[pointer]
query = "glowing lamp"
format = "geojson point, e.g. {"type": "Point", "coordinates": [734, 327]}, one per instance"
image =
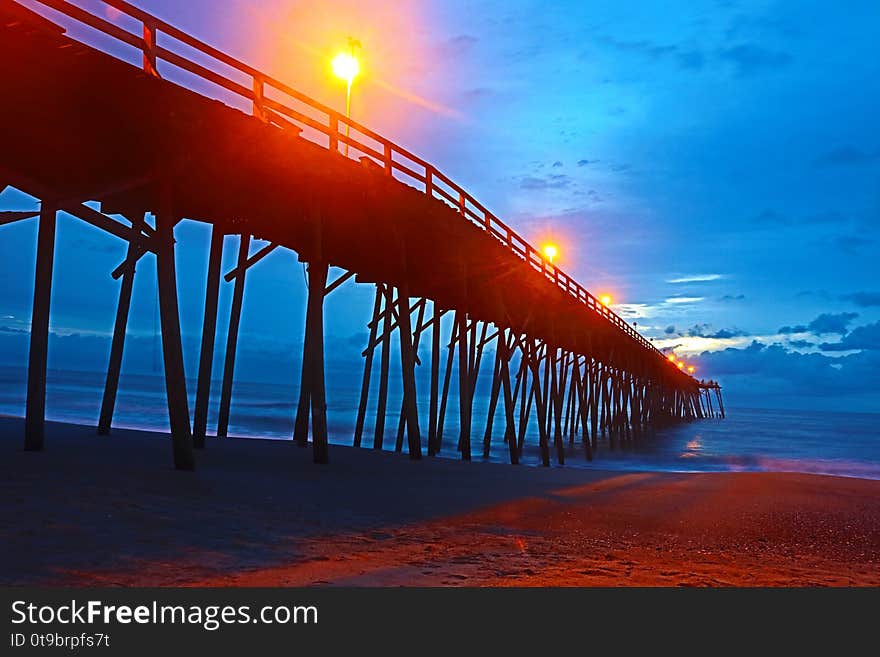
{"type": "Point", "coordinates": [605, 299]}
{"type": "Point", "coordinates": [680, 365]}
{"type": "Point", "coordinates": [550, 251]}
{"type": "Point", "coordinates": [671, 358]}
{"type": "Point", "coordinates": [345, 66]}
{"type": "Point", "coordinates": [691, 369]}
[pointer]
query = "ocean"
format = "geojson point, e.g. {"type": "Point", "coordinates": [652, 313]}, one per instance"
{"type": "Point", "coordinates": [845, 444]}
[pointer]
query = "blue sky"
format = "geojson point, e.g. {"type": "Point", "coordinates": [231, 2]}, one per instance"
{"type": "Point", "coordinates": [713, 165]}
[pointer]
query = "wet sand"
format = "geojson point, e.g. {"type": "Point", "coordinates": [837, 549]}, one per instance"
{"type": "Point", "coordinates": [111, 511]}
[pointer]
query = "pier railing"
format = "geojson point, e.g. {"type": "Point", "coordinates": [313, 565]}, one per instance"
{"type": "Point", "coordinates": [282, 105]}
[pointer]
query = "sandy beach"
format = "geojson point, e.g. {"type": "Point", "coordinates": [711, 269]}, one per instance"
{"type": "Point", "coordinates": [111, 511]}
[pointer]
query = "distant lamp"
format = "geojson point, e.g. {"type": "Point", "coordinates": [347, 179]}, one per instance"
{"type": "Point", "coordinates": [550, 252]}
{"type": "Point", "coordinates": [691, 369]}
{"type": "Point", "coordinates": [680, 365]}
{"type": "Point", "coordinates": [346, 67]}
{"type": "Point", "coordinates": [605, 299]}
{"type": "Point", "coordinates": [671, 358]}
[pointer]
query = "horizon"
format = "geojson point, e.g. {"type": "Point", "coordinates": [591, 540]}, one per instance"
{"type": "Point", "coordinates": [727, 299]}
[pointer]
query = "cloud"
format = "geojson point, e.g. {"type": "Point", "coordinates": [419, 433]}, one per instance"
{"type": "Point", "coordinates": [863, 299]}
{"type": "Point", "coordinates": [553, 181]}
{"type": "Point", "coordinates": [688, 59]}
{"type": "Point", "coordinates": [788, 330]}
{"type": "Point", "coordinates": [557, 164]}
{"type": "Point", "coordinates": [751, 59]}
{"type": "Point", "coordinates": [733, 297]}
{"type": "Point", "coordinates": [457, 45]}
{"type": "Point", "coordinates": [831, 323]}
{"type": "Point", "coordinates": [669, 330]}
{"type": "Point", "coordinates": [478, 94]}
{"type": "Point", "coordinates": [824, 324]}
{"type": "Point", "coordinates": [865, 337]}
{"type": "Point", "coordinates": [695, 278]}
{"type": "Point", "coordinates": [773, 375]}
{"type": "Point", "coordinates": [684, 299]}
{"type": "Point", "coordinates": [583, 163]}
{"type": "Point", "coordinates": [705, 331]}
{"type": "Point", "coordinates": [846, 155]}
{"type": "Point", "coordinates": [801, 344]}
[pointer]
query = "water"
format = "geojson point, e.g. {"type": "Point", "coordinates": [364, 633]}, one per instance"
{"type": "Point", "coordinates": [846, 444]}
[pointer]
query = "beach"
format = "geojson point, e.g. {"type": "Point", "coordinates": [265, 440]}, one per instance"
{"type": "Point", "coordinates": [111, 511]}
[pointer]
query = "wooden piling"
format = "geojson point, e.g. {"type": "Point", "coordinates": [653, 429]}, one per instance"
{"type": "Point", "coordinates": [232, 338]}
{"type": "Point", "coordinates": [368, 367]}
{"type": "Point", "coordinates": [407, 362]}
{"type": "Point", "coordinates": [117, 343]}
{"type": "Point", "coordinates": [209, 336]}
{"type": "Point", "coordinates": [175, 377]}
{"type": "Point", "coordinates": [35, 411]}
{"type": "Point", "coordinates": [384, 364]}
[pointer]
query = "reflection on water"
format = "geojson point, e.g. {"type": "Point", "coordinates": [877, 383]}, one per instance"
{"type": "Point", "coordinates": [692, 448]}
{"type": "Point", "coordinates": [748, 440]}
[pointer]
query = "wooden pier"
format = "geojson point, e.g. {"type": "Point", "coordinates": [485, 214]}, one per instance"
{"type": "Point", "coordinates": [84, 125]}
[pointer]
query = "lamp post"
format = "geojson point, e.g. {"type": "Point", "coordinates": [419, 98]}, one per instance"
{"type": "Point", "coordinates": [346, 67]}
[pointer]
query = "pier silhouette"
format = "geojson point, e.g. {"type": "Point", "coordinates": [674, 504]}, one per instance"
{"type": "Point", "coordinates": [84, 125]}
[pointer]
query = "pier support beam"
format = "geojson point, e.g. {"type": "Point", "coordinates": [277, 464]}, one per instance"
{"type": "Point", "coordinates": [232, 338]}
{"type": "Point", "coordinates": [175, 377]}
{"type": "Point", "coordinates": [368, 368]}
{"type": "Point", "coordinates": [209, 334]}
{"type": "Point", "coordinates": [435, 382]}
{"type": "Point", "coordinates": [312, 394]}
{"type": "Point", "coordinates": [384, 364]}
{"type": "Point", "coordinates": [407, 362]}
{"type": "Point", "coordinates": [35, 414]}
{"type": "Point", "coordinates": [114, 367]}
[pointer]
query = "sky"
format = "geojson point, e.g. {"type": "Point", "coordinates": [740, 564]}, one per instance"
{"type": "Point", "coordinates": [711, 164]}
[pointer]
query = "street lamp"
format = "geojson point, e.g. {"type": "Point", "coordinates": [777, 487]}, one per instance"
{"type": "Point", "coordinates": [605, 299]}
{"type": "Point", "coordinates": [346, 67]}
{"type": "Point", "coordinates": [550, 252]}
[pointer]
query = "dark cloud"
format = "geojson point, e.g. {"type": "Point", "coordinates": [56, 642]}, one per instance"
{"type": "Point", "coordinates": [831, 323]}
{"type": "Point", "coordinates": [705, 331]}
{"type": "Point", "coordinates": [769, 374]}
{"type": "Point", "coordinates": [788, 330]}
{"type": "Point", "coordinates": [669, 330]}
{"type": "Point", "coordinates": [478, 93]}
{"type": "Point", "coordinates": [553, 181]}
{"type": "Point", "coordinates": [751, 59]}
{"type": "Point", "coordinates": [864, 299]}
{"type": "Point", "coordinates": [846, 155]}
{"type": "Point", "coordinates": [642, 47]}
{"type": "Point", "coordinates": [462, 41]}
{"type": "Point", "coordinates": [583, 163]}
{"type": "Point", "coordinates": [733, 297]}
{"type": "Point", "coordinates": [865, 337]}
{"type": "Point", "coordinates": [824, 324]}
{"type": "Point", "coordinates": [557, 164]}
{"type": "Point", "coordinates": [688, 58]}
